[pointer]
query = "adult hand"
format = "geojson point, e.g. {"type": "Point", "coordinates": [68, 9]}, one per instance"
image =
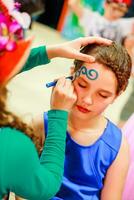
{"type": "Point", "coordinates": [71, 49]}
{"type": "Point", "coordinates": [63, 96]}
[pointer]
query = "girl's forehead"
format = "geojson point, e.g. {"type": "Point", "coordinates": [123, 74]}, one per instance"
{"type": "Point", "coordinates": [90, 73]}
{"type": "Point", "coordinates": [91, 70]}
{"type": "Point", "coordinates": [96, 73]}
{"type": "Point", "coordinates": [98, 67]}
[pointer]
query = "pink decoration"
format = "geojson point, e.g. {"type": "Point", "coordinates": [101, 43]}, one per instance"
{"type": "Point", "coordinates": [12, 23]}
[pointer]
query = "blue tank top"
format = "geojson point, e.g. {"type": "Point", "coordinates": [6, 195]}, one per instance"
{"type": "Point", "coordinates": [86, 166]}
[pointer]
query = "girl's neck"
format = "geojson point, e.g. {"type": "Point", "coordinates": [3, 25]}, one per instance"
{"type": "Point", "coordinates": [82, 125]}
{"type": "Point", "coordinates": [86, 132]}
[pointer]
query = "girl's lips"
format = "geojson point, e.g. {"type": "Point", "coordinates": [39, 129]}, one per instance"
{"type": "Point", "coordinates": [81, 109]}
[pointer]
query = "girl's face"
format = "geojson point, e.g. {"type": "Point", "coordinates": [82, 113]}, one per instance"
{"type": "Point", "coordinates": [93, 96]}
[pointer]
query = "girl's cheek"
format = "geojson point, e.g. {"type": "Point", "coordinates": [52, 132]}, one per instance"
{"type": "Point", "coordinates": [101, 106]}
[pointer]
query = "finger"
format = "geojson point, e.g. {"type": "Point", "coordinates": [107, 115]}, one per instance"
{"type": "Point", "coordinates": [68, 83]}
{"type": "Point", "coordinates": [61, 82]}
{"type": "Point", "coordinates": [84, 57]}
{"type": "Point", "coordinates": [68, 87]}
{"type": "Point", "coordinates": [74, 94]}
{"type": "Point", "coordinates": [98, 40]}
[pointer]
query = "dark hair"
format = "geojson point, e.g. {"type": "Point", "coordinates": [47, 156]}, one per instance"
{"type": "Point", "coordinates": [113, 56]}
{"type": "Point", "coordinates": [8, 119]}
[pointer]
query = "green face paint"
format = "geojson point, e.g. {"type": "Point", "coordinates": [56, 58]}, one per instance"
{"type": "Point", "coordinates": [91, 74]}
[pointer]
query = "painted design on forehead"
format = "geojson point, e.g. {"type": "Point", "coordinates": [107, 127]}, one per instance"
{"type": "Point", "coordinates": [91, 74]}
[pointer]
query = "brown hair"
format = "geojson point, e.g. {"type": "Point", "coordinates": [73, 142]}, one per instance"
{"type": "Point", "coordinates": [8, 119]}
{"type": "Point", "coordinates": [114, 56]}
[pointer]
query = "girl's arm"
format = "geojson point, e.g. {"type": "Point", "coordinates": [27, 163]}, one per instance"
{"type": "Point", "coordinates": [76, 7]}
{"type": "Point", "coordinates": [116, 174]}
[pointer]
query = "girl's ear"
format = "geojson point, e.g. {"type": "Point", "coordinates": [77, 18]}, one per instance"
{"type": "Point", "coordinates": [72, 70]}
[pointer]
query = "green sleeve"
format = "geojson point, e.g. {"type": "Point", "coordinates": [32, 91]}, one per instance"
{"type": "Point", "coordinates": [38, 56]}
{"type": "Point", "coordinates": [25, 174]}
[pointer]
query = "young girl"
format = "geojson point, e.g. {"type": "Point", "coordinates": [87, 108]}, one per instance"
{"type": "Point", "coordinates": [97, 156]}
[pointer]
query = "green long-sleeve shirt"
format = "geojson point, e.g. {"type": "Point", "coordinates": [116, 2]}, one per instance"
{"type": "Point", "coordinates": [38, 56]}
{"type": "Point", "coordinates": [21, 170]}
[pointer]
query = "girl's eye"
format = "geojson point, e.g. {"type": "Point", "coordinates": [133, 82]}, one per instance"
{"type": "Point", "coordinates": [81, 85]}
{"type": "Point", "coordinates": [103, 96]}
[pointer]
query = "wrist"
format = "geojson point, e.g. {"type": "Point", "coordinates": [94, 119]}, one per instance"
{"type": "Point", "coordinates": [58, 113]}
{"type": "Point", "coordinates": [51, 52]}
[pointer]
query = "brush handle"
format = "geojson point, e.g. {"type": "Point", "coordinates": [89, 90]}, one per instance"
{"type": "Point", "coordinates": [53, 83]}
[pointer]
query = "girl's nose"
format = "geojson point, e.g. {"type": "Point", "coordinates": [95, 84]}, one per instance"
{"type": "Point", "coordinates": [88, 100]}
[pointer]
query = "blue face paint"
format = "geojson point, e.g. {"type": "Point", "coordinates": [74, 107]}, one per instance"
{"type": "Point", "coordinates": [91, 74]}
